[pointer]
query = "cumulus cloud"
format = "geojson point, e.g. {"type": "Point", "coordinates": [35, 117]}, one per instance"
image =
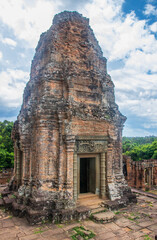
{"type": "Point", "coordinates": [12, 83]}
{"type": "Point", "coordinates": [153, 27]}
{"type": "Point", "coordinates": [135, 132]}
{"type": "Point", "coordinates": [131, 41]}
{"type": "Point", "coordinates": [127, 42]}
{"type": "Point", "coordinates": [9, 41]}
{"type": "Point", "coordinates": [28, 20]}
{"type": "Point", "coordinates": [1, 55]}
{"type": "Point", "coordinates": [150, 10]}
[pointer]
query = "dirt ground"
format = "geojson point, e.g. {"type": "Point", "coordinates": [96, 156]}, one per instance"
{"type": "Point", "coordinates": [138, 221]}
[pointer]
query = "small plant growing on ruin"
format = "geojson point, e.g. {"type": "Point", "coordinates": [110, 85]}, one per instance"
{"type": "Point", "coordinates": [13, 196]}
{"type": "Point", "coordinates": [60, 226]}
{"type": "Point", "coordinates": [146, 237]}
{"type": "Point", "coordinates": [38, 230]}
{"type": "Point", "coordinates": [133, 217]}
{"type": "Point", "coordinates": [149, 203]}
{"type": "Point", "coordinates": [82, 232]}
{"type": "Point", "coordinates": [117, 212]}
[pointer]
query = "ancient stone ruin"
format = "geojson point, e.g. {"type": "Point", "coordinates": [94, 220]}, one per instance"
{"type": "Point", "coordinates": [140, 174]}
{"type": "Point", "coordinates": [68, 135]}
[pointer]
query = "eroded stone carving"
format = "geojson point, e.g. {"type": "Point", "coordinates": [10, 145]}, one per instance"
{"type": "Point", "coordinates": [89, 146]}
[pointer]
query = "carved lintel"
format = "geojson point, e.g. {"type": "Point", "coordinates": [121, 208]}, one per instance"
{"type": "Point", "coordinates": [88, 146]}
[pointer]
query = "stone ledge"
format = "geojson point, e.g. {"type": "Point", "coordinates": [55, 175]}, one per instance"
{"type": "Point", "coordinates": [104, 217]}
{"type": "Point", "coordinates": [8, 202]}
{"type": "Point", "coordinates": [120, 203]}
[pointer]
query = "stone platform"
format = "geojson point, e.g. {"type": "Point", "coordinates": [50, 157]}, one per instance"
{"type": "Point", "coordinates": [104, 217]}
{"type": "Point", "coordinates": [135, 222]}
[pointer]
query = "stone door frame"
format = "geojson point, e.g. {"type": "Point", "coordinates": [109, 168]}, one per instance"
{"type": "Point", "coordinates": [97, 169]}
{"type": "Point", "coordinates": [95, 146]}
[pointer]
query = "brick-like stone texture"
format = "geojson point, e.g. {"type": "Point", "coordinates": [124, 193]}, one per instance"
{"type": "Point", "coordinates": [141, 174]}
{"type": "Point", "coordinates": [5, 176]}
{"type": "Point", "coordinates": [68, 108]}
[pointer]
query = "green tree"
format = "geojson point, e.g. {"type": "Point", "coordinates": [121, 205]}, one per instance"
{"type": "Point", "coordinates": [139, 151]}
{"type": "Point", "coordinates": [154, 155]}
{"type": "Point", "coordinates": [6, 145]}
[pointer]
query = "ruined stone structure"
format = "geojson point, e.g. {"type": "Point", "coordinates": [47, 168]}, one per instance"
{"type": "Point", "coordinates": [6, 175]}
{"type": "Point", "coordinates": [140, 174]}
{"type": "Point", "coordinates": [68, 134]}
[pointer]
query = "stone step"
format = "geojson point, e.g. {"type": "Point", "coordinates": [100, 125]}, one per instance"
{"type": "Point", "coordinates": [83, 196]}
{"type": "Point", "coordinates": [90, 202]}
{"type": "Point", "coordinates": [95, 206]}
{"type": "Point", "coordinates": [97, 210]}
{"type": "Point", "coordinates": [104, 217]}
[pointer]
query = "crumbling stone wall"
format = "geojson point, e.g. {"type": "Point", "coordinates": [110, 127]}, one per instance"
{"type": "Point", "coordinates": [140, 174]}
{"type": "Point", "coordinates": [5, 175]}
{"type": "Point", "coordinates": [69, 98]}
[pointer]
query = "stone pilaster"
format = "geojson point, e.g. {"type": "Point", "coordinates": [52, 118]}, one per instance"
{"type": "Point", "coordinates": [103, 175]}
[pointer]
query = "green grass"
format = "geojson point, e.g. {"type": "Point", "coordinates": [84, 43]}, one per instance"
{"type": "Point", "coordinates": [59, 226]}
{"type": "Point", "coordinates": [13, 196]}
{"type": "Point", "coordinates": [40, 231]}
{"type": "Point", "coordinates": [82, 232]}
{"type": "Point", "coordinates": [146, 237]}
{"type": "Point", "coordinates": [117, 212]}
{"type": "Point", "coordinates": [149, 203]}
{"type": "Point", "coordinates": [133, 217]}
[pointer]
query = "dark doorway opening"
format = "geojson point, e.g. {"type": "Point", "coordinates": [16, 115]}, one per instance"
{"type": "Point", "coordinates": [87, 175]}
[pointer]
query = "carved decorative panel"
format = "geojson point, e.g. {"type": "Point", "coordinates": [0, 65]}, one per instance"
{"type": "Point", "coordinates": [89, 146]}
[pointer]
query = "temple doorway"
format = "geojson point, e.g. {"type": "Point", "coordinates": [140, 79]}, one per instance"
{"type": "Point", "coordinates": [87, 175]}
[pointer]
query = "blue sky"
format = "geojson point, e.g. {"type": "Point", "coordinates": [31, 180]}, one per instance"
{"type": "Point", "coordinates": [127, 33]}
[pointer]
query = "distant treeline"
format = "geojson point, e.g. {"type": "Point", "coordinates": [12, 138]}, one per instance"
{"type": "Point", "coordinates": [6, 145]}
{"type": "Point", "coordinates": [140, 148]}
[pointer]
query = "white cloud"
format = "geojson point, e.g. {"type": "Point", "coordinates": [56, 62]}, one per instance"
{"type": "Point", "coordinates": [150, 10]}
{"type": "Point", "coordinates": [153, 27]}
{"type": "Point", "coordinates": [118, 35]}
{"type": "Point", "coordinates": [128, 39]}
{"type": "Point", "coordinates": [12, 83]}
{"type": "Point", "coordinates": [1, 56]}
{"type": "Point", "coordinates": [28, 21]}
{"type": "Point", "coordinates": [135, 132]}
{"type": "Point", "coordinates": [9, 41]}
{"type": "Point", "coordinates": [122, 37]}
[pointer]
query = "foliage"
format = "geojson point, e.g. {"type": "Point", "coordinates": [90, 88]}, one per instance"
{"type": "Point", "coordinates": [140, 148]}
{"type": "Point", "coordinates": [146, 237]}
{"type": "Point", "coordinates": [81, 232]}
{"type": "Point", "coordinates": [140, 140]}
{"type": "Point", "coordinates": [6, 145]}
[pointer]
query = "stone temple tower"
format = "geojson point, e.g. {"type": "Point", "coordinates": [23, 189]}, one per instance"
{"type": "Point", "coordinates": [68, 134]}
